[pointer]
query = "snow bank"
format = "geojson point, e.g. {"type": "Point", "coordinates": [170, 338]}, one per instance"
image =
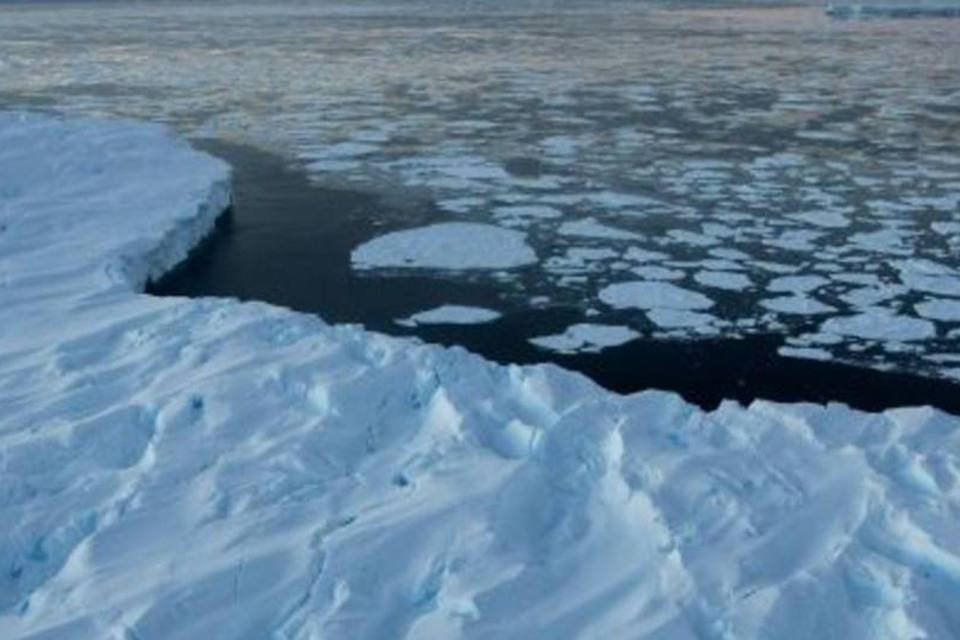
{"type": "Point", "coordinates": [176, 468]}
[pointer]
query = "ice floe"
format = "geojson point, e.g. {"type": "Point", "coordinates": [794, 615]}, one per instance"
{"type": "Point", "coordinates": [945, 310]}
{"type": "Point", "coordinates": [586, 338]}
{"type": "Point", "coordinates": [451, 245]}
{"type": "Point", "coordinates": [451, 314]}
{"type": "Point", "coordinates": [723, 280]}
{"type": "Point", "coordinates": [590, 228]}
{"type": "Point", "coordinates": [797, 305]}
{"type": "Point", "coordinates": [880, 324]}
{"type": "Point", "coordinates": [653, 295]}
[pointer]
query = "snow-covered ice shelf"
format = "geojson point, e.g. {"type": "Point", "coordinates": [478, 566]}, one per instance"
{"type": "Point", "coordinates": [176, 468]}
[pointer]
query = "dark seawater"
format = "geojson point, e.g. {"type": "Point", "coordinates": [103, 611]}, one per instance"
{"type": "Point", "coordinates": [288, 242]}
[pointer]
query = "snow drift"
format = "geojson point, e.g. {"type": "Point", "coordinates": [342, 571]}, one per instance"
{"type": "Point", "coordinates": [174, 468]}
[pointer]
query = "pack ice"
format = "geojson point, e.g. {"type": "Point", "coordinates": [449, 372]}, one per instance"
{"type": "Point", "coordinates": [175, 468]}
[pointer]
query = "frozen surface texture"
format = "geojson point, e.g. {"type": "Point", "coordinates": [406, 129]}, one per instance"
{"type": "Point", "coordinates": [176, 468]}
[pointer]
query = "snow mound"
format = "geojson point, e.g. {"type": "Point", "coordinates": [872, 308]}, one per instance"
{"type": "Point", "coordinates": [182, 469]}
{"type": "Point", "coordinates": [451, 245]}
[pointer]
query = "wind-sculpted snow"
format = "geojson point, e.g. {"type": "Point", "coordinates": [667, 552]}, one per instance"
{"type": "Point", "coordinates": [176, 468]}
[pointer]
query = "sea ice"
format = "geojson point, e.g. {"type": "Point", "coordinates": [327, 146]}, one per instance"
{"type": "Point", "coordinates": [586, 338]}
{"type": "Point", "coordinates": [806, 353]}
{"type": "Point", "coordinates": [723, 280]}
{"type": "Point", "coordinates": [880, 324]}
{"type": "Point", "coordinates": [667, 318]}
{"type": "Point", "coordinates": [945, 310]}
{"type": "Point", "coordinates": [451, 314]}
{"type": "Point", "coordinates": [590, 228]}
{"type": "Point", "coordinates": [828, 219]}
{"type": "Point", "coordinates": [653, 295]}
{"type": "Point", "coordinates": [449, 245]}
{"type": "Point", "coordinates": [797, 305]}
{"type": "Point", "coordinates": [796, 284]}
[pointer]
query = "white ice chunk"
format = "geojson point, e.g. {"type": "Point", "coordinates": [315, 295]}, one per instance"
{"type": "Point", "coordinates": [590, 228]}
{"type": "Point", "coordinates": [653, 295]}
{"type": "Point", "coordinates": [945, 310]}
{"type": "Point", "coordinates": [880, 324]}
{"type": "Point", "coordinates": [723, 280]}
{"type": "Point", "coordinates": [450, 245]}
{"type": "Point", "coordinates": [586, 338]}
{"type": "Point", "coordinates": [451, 314]}
{"type": "Point", "coordinates": [681, 319]}
{"type": "Point", "coordinates": [796, 284]}
{"type": "Point", "coordinates": [797, 305]}
{"type": "Point", "coordinates": [827, 219]}
{"type": "Point", "coordinates": [807, 353]}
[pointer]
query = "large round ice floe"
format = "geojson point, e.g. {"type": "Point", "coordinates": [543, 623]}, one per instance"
{"type": "Point", "coordinates": [653, 295]}
{"type": "Point", "coordinates": [450, 245]}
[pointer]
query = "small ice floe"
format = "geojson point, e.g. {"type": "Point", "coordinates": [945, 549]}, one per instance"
{"type": "Point", "coordinates": [653, 295]}
{"type": "Point", "coordinates": [939, 309]}
{"type": "Point", "coordinates": [796, 240]}
{"type": "Point", "coordinates": [523, 215]}
{"type": "Point", "coordinates": [806, 353]}
{"type": "Point", "coordinates": [579, 259]}
{"type": "Point", "coordinates": [636, 254]}
{"type": "Point", "coordinates": [586, 338]}
{"type": "Point", "coordinates": [869, 279]}
{"type": "Point", "coordinates": [797, 304]}
{"type": "Point", "coordinates": [825, 219]}
{"type": "Point", "coordinates": [461, 205]}
{"type": "Point", "coordinates": [796, 284]}
{"type": "Point", "coordinates": [728, 254]}
{"type": "Point", "coordinates": [451, 314]}
{"type": "Point", "coordinates": [450, 245]}
{"type": "Point", "coordinates": [946, 228]}
{"type": "Point", "coordinates": [880, 324]}
{"type": "Point", "coordinates": [945, 285]}
{"type": "Point", "coordinates": [871, 296]}
{"type": "Point", "coordinates": [590, 228]}
{"type": "Point", "coordinates": [653, 272]}
{"type": "Point", "coordinates": [692, 238]}
{"type": "Point", "coordinates": [682, 319]}
{"type": "Point", "coordinates": [723, 280]}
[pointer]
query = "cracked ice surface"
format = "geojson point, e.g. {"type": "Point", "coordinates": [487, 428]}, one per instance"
{"type": "Point", "coordinates": [180, 469]}
{"type": "Point", "coordinates": [586, 133]}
